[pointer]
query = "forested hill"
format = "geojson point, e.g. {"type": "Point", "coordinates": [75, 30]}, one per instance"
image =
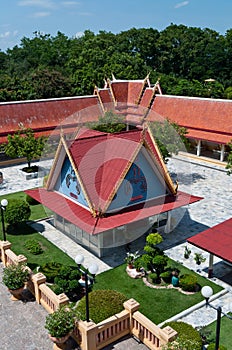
{"type": "Point", "coordinates": [182, 57]}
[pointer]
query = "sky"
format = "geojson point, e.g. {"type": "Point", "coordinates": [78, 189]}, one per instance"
{"type": "Point", "coordinates": [22, 18]}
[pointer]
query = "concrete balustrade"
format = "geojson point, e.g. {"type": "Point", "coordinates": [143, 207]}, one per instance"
{"type": "Point", "coordinates": [89, 335]}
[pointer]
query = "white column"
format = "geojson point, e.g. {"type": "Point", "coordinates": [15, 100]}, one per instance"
{"type": "Point", "coordinates": [199, 148]}
{"type": "Point", "coordinates": [222, 154]}
{"type": "Point", "coordinates": [168, 225]}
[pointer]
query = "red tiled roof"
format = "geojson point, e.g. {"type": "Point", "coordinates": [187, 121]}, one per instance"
{"type": "Point", "coordinates": [83, 218]}
{"type": "Point", "coordinates": [43, 116]}
{"type": "Point", "coordinates": [209, 136]}
{"type": "Point", "coordinates": [101, 162]}
{"type": "Point", "coordinates": [126, 91]}
{"type": "Point", "coordinates": [209, 116]}
{"type": "Point", "coordinates": [216, 240]}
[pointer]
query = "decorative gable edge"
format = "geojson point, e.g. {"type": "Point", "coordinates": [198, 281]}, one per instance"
{"type": "Point", "coordinates": [61, 152]}
{"type": "Point", "coordinates": [122, 177]}
{"type": "Point", "coordinates": [161, 166]}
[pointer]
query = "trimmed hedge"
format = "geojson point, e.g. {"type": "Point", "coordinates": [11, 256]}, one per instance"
{"type": "Point", "coordinates": [186, 332]}
{"type": "Point", "coordinates": [66, 282]}
{"type": "Point", "coordinates": [102, 304]}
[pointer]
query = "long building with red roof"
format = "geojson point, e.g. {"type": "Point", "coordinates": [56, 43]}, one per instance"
{"type": "Point", "coordinates": [208, 121]}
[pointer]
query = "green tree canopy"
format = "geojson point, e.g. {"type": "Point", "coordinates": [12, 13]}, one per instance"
{"type": "Point", "coordinates": [24, 144]}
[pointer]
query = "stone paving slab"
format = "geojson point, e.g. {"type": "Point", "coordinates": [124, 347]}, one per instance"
{"type": "Point", "coordinates": [22, 324]}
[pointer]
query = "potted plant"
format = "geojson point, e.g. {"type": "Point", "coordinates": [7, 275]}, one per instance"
{"type": "Point", "coordinates": [198, 257]}
{"type": "Point", "coordinates": [187, 252]}
{"type": "Point", "coordinates": [130, 259]}
{"type": "Point", "coordinates": [60, 324]}
{"type": "Point", "coordinates": [138, 264]}
{"type": "Point", "coordinates": [14, 278]}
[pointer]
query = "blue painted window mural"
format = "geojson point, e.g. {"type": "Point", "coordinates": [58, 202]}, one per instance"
{"type": "Point", "coordinates": [68, 184]}
{"type": "Point", "coordinates": [141, 183]}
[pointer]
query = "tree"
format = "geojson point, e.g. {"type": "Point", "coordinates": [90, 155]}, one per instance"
{"type": "Point", "coordinates": [109, 122]}
{"type": "Point", "coordinates": [24, 144]}
{"type": "Point", "coordinates": [17, 211]}
{"type": "Point", "coordinates": [170, 137]}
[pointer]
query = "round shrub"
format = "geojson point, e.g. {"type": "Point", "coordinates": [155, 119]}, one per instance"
{"type": "Point", "coordinates": [31, 201]}
{"type": "Point", "coordinates": [188, 282]}
{"type": "Point", "coordinates": [33, 246]}
{"type": "Point", "coordinates": [17, 211]}
{"type": "Point", "coordinates": [186, 334]}
{"type": "Point", "coordinates": [212, 347]}
{"type": "Point", "coordinates": [102, 304]}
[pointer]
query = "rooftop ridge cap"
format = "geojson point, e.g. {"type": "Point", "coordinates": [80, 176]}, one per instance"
{"type": "Point", "coordinates": [47, 99]}
{"type": "Point", "coordinates": [196, 98]}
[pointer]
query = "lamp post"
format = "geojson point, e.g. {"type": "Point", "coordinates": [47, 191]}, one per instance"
{"type": "Point", "coordinates": [207, 292]}
{"type": "Point", "coordinates": [4, 203]}
{"type": "Point", "coordinates": [79, 259]}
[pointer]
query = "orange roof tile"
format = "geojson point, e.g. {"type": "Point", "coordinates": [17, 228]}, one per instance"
{"type": "Point", "coordinates": [210, 116]}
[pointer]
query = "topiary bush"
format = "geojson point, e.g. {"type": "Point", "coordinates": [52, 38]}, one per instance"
{"type": "Point", "coordinates": [33, 246]}
{"type": "Point", "coordinates": [166, 276]}
{"type": "Point", "coordinates": [17, 211]}
{"type": "Point", "coordinates": [188, 282]}
{"type": "Point", "coordinates": [50, 270]}
{"type": "Point", "coordinates": [102, 304]}
{"type": "Point", "coordinates": [187, 335]}
{"type": "Point", "coordinates": [152, 277]}
{"type": "Point", "coordinates": [66, 282]}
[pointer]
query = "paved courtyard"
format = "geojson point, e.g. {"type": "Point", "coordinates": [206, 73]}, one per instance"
{"type": "Point", "coordinates": [21, 322]}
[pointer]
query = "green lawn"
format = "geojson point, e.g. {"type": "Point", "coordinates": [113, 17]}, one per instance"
{"type": "Point", "coordinates": [24, 232]}
{"type": "Point", "coordinates": [225, 335]}
{"type": "Point", "coordinates": [50, 253]}
{"type": "Point", "coordinates": [37, 211]}
{"type": "Point", "coordinates": [157, 304]}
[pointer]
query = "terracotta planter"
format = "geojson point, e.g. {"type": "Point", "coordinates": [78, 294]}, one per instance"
{"type": "Point", "coordinates": [61, 340]}
{"type": "Point", "coordinates": [16, 294]}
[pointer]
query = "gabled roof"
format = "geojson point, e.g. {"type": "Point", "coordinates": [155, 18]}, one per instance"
{"type": "Point", "coordinates": [204, 118]}
{"type": "Point", "coordinates": [82, 218]}
{"type": "Point", "coordinates": [101, 161]}
{"type": "Point", "coordinates": [43, 116]}
{"type": "Point", "coordinates": [216, 240]}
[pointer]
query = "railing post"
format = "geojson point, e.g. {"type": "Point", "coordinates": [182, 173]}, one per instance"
{"type": "Point", "coordinates": [167, 334]}
{"type": "Point", "coordinates": [4, 245]}
{"type": "Point", "coordinates": [62, 300]}
{"type": "Point", "coordinates": [21, 259]}
{"type": "Point", "coordinates": [38, 279]}
{"type": "Point", "coordinates": [131, 306]}
{"type": "Point", "coordinates": [88, 335]}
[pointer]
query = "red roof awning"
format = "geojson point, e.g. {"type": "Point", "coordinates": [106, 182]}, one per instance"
{"type": "Point", "coordinates": [82, 218]}
{"type": "Point", "coordinates": [216, 240]}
